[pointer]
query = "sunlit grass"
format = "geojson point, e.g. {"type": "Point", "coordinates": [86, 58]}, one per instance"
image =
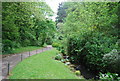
{"type": "Point", "coordinates": [42, 66]}
{"type": "Point", "coordinates": [24, 49]}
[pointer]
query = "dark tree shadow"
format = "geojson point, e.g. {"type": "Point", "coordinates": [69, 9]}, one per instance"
{"type": "Point", "coordinates": [86, 73]}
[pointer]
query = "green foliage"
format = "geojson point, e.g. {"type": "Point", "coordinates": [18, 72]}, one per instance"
{"type": "Point", "coordinates": [96, 48]}
{"type": "Point", "coordinates": [58, 57]}
{"type": "Point", "coordinates": [92, 15]}
{"type": "Point", "coordinates": [26, 42]}
{"type": "Point", "coordinates": [77, 72]}
{"type": "Point", "coordinates": [55, 44]}
{"type": "Point", "coordinates": [89, 32]}
{"type": "Point", "coordinates": [66, 61]}
{"type": "Point", "coordinates": [37, 43]}
{"type": "Point", "coordinates": [45, 45]}
{"type": "Point", "coordinates": [61, 13]}
{"type": "Point", "coordinates": [63, 60]}
{"type": "Point", "coordinates": [7, 46]}
{"type": "Point", "coordinates": [59, 47]}
{"type": "Point", "coordinates": [25, 22]}
{"type": "Point", "coordinates": [112, 61]}
{"type": "Point", "coordinates": [108, 76]}
{"type": "Point", "coordinates": [90, 49]}
{"type": "Point", "coordinates": [42, 66]}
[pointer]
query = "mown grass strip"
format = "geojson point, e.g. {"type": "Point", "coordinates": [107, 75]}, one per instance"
{"type": "Point", "coordinates": [23, 49]}
{"type": "Point", "coordinates": [42, 66]}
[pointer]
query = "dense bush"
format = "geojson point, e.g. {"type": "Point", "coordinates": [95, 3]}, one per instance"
{"type": "Point", "coordinates": [16, 44]}
{"type": "Point", "coordinates": [7, 46]}
{"type": "Point", "coordinates": [58, 57]}
{"type": "Point", "coordinates": [25, 24]}
{"type": "Point", "coordinates": [91, 30]}
{"type": "Point", "coordinates": [36, 43]}
{"type": "Point", "coordinates": [90, 49]}
{"type": "Point", "coordinates": [49, 41]}
{"type": "Point", "coordinates": [60, 47]}
{"type": "Point", "coordinates": [55, 44]}
{"type": "Point", "coordinates": [25, 42]}
{"type": "Point", "coordinates": [109, 76]}
{"type": "Point", "coordinates": [112, 61]}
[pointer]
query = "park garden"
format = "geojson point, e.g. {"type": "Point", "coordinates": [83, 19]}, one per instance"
{"type": "Point", "coordinates": [85, 34]}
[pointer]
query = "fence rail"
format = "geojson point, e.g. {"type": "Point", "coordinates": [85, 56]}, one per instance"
{"type": "Point", "coordinates": [9, 62]}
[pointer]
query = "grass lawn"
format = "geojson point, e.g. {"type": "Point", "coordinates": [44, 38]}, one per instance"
{"type": "Point", "coordinates": [42, 66]}
{"type": "Point", "coordinates": [24, 49]}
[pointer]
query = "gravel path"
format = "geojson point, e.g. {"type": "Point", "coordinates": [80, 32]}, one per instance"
{"type": "Point", "coordinates": [12, 60]}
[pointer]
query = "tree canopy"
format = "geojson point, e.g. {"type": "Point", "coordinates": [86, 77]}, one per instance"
{"type": "Point", "coordinates": [25, 22]}
{"type": "Point", "coordinates": [90, 34]}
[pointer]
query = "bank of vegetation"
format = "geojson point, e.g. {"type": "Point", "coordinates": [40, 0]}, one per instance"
{"type": "Point", "coordinates": [26, 24]}
{"type": "Point", "coordinates": [89, 34]}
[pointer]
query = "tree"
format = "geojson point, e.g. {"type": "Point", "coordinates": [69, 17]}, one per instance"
{"type": "Point", "coordinates": [62, 11]}
{"type": "Point", "coordinates": [91, 31]}
{"type": "Point", "coordinates": [23, 23]}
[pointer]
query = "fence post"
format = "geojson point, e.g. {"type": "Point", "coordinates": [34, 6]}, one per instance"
{"type": "Point", "coordinates": [29, 53]}
{"type": "Point", "coordinates": [8, 68]}
{"type": "Point", "coordinates": [36, 51]}
{"type": "Point", "coordinates": [21, 57]}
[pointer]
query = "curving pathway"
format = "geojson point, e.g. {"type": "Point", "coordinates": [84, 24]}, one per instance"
{"type": "Point", "coordinates": [12, 60]}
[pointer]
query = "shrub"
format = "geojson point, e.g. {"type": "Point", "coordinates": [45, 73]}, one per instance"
{"type": "Point", "coordinates": [25, 42]}
{"type": "Point", "coordinates": [77, 72]}
{"type": "Point", "coordinates": [58, 57]}
{"type": "Point", "coordinates": [108, 76]}
{"type": "Point", "coordinates": [55, 45]}
{"type": "Point", "coordinates": [16, 45]}
{"type": "Point", "coordinates": [64, 60]}
{"type": "Point", "coordinates": [63, 51]}
{"type": "Point", "coordinates": [112, 61]}
{"type": "Point", "coordinates": [89, 49]}
{"type": "Point", "coordinates": [44, 45]}
{"type": "Point", "coordinates": [67, 63]}
{"type": "Point", "coordinates": [96, 47]}
{"type": "Point", "coordinates": [36, 43]}
{"type": "Point", "coordinates": [49, 41]}
{"type": "Point", "coordinates": [7, 46]}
